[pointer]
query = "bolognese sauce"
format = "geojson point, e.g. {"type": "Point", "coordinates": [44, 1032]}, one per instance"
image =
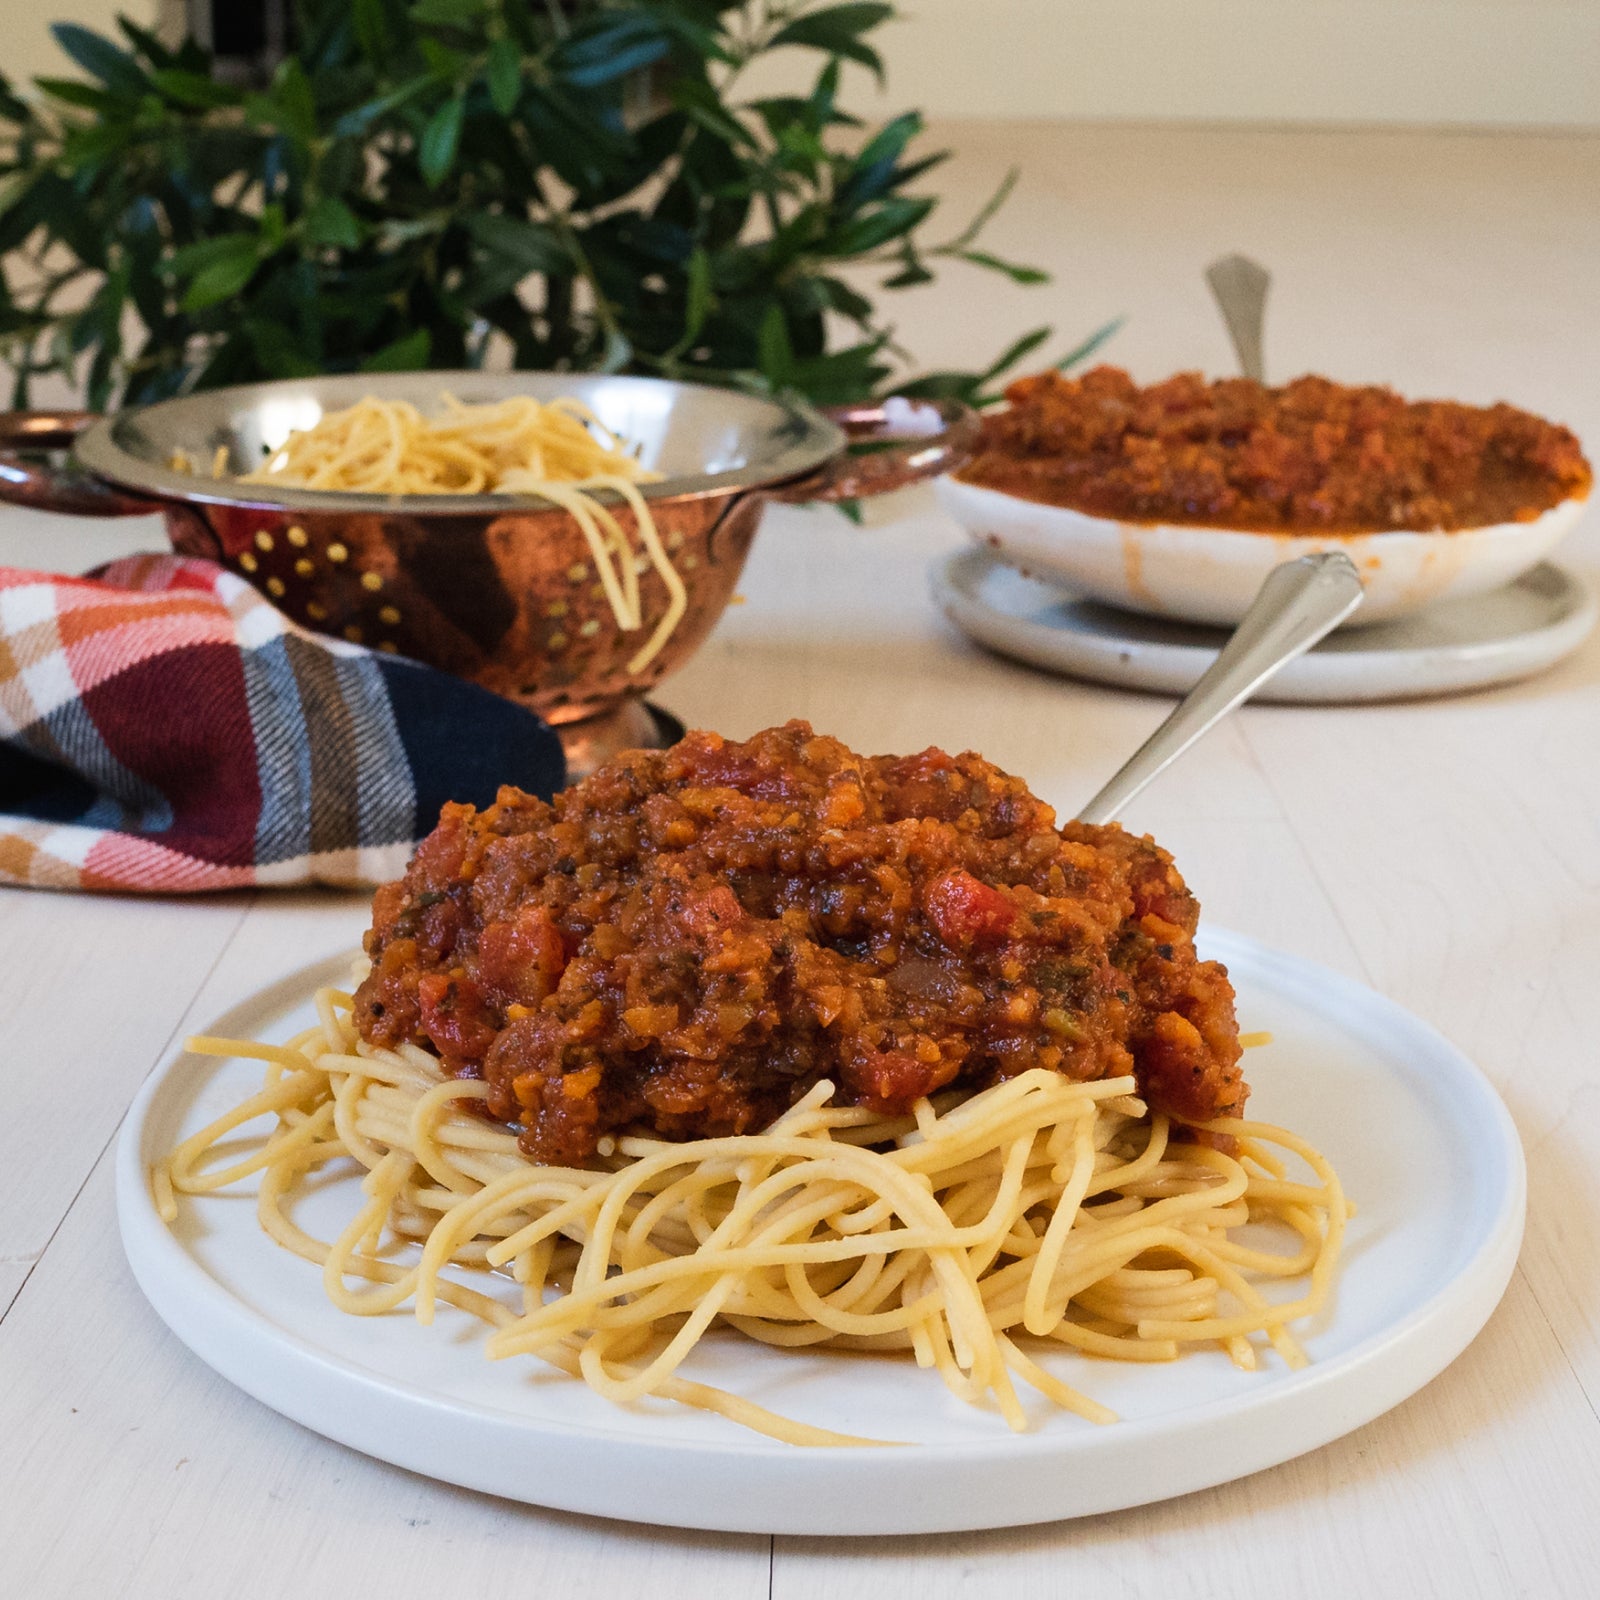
{"type": "Point", "coordinates": [690, 939]}
{"type": "Point", "coordinates": [1313, 456]}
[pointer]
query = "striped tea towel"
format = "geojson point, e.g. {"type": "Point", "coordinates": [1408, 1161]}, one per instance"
{"type": "Point", "coordinates": [164, 728]}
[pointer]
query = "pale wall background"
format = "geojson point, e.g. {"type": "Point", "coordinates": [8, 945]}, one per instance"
{"type": "Point", "coordinates": [1506, 62]}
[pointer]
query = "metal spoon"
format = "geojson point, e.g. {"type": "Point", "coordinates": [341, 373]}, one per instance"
{"type": "Point", "coordinates": [1240, 287]}
{"type": "Point", "coordinates": [1301, 602]}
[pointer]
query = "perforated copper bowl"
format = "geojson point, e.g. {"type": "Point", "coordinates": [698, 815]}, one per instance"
{"type": "Point", "coordinates": [499, 590]}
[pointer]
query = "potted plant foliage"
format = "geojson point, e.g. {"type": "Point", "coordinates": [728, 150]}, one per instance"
{"type": "Point", "coordinates": [444, 183]}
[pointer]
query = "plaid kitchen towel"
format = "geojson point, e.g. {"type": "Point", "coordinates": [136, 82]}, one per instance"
{"type": "Point", "coordinates": [164, 728]}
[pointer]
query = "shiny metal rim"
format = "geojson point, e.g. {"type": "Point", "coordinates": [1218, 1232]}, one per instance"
{"type": "Point", "coordinates": [799, 439]}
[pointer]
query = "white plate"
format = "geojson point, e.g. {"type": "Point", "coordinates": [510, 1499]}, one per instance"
{"type": "Point", "coordinates": [1514, 632]}
{"type": "Point", "coordinates": [1210, 575]}
{"type": "Point", "coordinates": [1421, 1140]}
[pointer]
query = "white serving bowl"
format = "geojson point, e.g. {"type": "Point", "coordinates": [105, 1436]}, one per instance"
{"type": "Point", "coordinates": [1211, 575]}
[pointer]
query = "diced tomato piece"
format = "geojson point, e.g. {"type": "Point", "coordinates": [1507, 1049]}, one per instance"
{"type": "Point", "coordinates": [440, 856]}
{"type": "Point", "coordinates": [925, 764]}
{"type": "Point", "coordinates": [891, 1080]}
{"type": "Point", "coordinates": [710, 762]}
{"type": "Point", "coordinates": [966, 912]}
{"type": "Point", "coordinates": [1180, 1073]}
{"type": "Point", "coordinates": [521, 961]}
{"type": "Point", "coordinates": [456, 1018]}
{"type": "Point", "coordinates": [926, 785]}
{"type": "Point", "coordinates": [438, 924]}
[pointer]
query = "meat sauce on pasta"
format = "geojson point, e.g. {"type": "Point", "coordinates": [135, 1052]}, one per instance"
{"type": "Point", "coordinates": [691, 939]}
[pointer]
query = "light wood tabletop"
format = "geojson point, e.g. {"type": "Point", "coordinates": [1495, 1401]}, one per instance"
{"type": "Point", "coordinates": [1447, 853]}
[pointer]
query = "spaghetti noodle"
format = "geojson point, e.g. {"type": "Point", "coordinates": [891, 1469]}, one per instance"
{"type": "Point", "coordinates": [1039, 1211]}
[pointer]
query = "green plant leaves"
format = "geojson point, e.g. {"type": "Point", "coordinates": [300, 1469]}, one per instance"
{"type": "Point", "coordinates": [531, 246]}
{"type": "Point", "coordinates": [1015, 353]}
{"type": "Point", "coordinates": [73, 92]}
{"type": "Point", "coordinates": [975, 387]}
{"type": "Point", "coordinates": [1081, 353]}
{"type": "Point", "coordinates": [288, 106]}
{"type": "Point", "coordinates": [101, 59]}
{"type": "Point", "coordinates": [876, 170]}
{"type": "Point", "coordinates": [877, 226]}
{"type": "Point", "coordinates": [441, 138]}
{"type": "Point", "coordinates": [374, 35]}
{"type": "Point", "coordinates": [450, 13]}
{"type": "Point", "coordinates": [503, 71]}
{"type": "Point", "coordinates": [773, 349]}
{"type": "Point", "coordinates": [435, 182]}
{"type": "Point", "coordinates": [614, 45]}
{"type": "Point", "coordinates": [1011, 269]}
{"type": "Point", "coordinates": [223, 274]}
{"type": "Point", "coordinates": [331, 223]}
{"type": "Point", "coordinates": [698, 298]}
{"type": "Point", "coordinates": [699, 102]}
{"type": "Point", "coordinates": [842, 375]}
{"type": "Point", "coordinates": [361, 118]}
{"type": "Point", "coordinates": [838, 30]}
{"type": "Point", "coordinates": [407, 354]}
{"type": "Point", "coordinates": [192, 90]}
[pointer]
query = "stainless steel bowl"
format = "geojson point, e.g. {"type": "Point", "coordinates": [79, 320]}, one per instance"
{"type": "Point", "coordinates": [495, 588]}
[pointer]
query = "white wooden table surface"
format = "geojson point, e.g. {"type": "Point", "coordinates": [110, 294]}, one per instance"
{"type": "Point", "coordinates": [1446, 853]}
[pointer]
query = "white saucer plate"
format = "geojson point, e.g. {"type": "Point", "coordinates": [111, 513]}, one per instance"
{"type": "Point", "coordinates": [1514, 632]}
{"type": "Point", "coordinates": [1422, 1142]}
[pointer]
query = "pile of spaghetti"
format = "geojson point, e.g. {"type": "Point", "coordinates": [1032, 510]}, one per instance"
{"type": "Point", "coordinates": [512, 446]}
{"type": "Point", "coordinates": [974, 1233]}
{"type": "Point", "coordinates": [557, 449]}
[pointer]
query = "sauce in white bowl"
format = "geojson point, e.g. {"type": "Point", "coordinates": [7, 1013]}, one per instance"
{"type": "Point", "coordinates": [1176, 499]}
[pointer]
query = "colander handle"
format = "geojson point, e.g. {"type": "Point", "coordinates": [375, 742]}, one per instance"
{"type": "Point", "coordinates": [48, 486]}
{"type": "Point", "coordinates": [907, 440]}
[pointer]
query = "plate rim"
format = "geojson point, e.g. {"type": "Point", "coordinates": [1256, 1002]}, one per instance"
{"type": "Point", "coordinates": [1317, 676]}
{"type": "Point", "coordinates": [225, 1333]}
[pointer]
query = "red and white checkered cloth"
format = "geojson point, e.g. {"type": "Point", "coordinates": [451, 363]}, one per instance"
{"type": "Point", "coordinates": [163, 727]}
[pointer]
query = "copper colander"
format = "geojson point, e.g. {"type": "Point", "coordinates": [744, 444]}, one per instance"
{"type": "Point", "coordinates": [492, 588]}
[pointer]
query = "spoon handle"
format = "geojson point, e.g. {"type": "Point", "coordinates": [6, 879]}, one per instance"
{"type": "Point", "coordinates": [1300, 602]}
{"type": "Point", "coordinates": [1240, 287]}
